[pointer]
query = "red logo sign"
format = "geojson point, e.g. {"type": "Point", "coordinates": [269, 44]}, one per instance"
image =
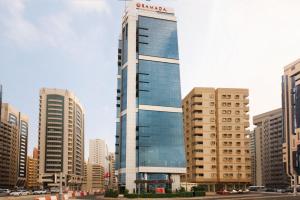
{"type": "Point", "coordinates": [150, 7]}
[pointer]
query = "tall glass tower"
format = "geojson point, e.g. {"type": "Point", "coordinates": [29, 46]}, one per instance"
{"type": "Point", "coordinates": [149, 138]}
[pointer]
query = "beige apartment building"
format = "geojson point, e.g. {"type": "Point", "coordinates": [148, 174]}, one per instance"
{"type": "Point", "coordinates": [61, 139]}
{"type": "Point", "coordinates": [216, 141]}
{"type": "Point", "coordinates": [291, 120]}
{"type": "Point", "coordinates": [112, 177]}
{"type": "Point", "coordinates": [268, 168]}
{"type": "Point", "coordinates": [9, 152]}
{"type": "Point", "coordinates": [94, 178]}
{"type": "Point", "coordinates": [20, 121]}
{"type": "Point", "coordinates": [32, 171]}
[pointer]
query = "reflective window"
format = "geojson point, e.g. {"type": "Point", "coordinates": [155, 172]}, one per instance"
{"type": "Point", "coordinates": [124, 89]}
{"type": "Point", "coordinates": [125, 44]}
{"type": "Point", "coordinates": [157, 37]}
{"type": "Point", "coordinates": [159, 84]}
{"type": "Point", "coordinates": [123, 141]}
{"type": "Point", "coordinates": [160, 139]}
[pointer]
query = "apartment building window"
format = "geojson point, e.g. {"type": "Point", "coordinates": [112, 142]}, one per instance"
{"type": "Point", "coordinates": [211, 96]}
{"type": "Point", "coordinates": [224, 104]}
{"type": "Point", "coordinates": [237, 120]}
{"type": "Point", "coordinates": [213, 159]}
{"type": "Point", "coordinates": [212, 127]}
{"type": "Point", "coordinates": [237, 128]}
{"type": "Point", "coordinates": [238, 167]}
{"type": "Point", "coordinates": [212, 112]}
{"type": "Point", "coordinates": [212, 143]}
{"type": "Point", "coordinates": [212, 119]}
{"type": "Point", "coordinates": [238, 151]}
{"type": "Point", "coordinates": [212, 103]}
{"type": "Point", "coordinates": [247, 151]}
{"type": "Point", "coordinates": [223, 96]}
{"type": "Point", "coordinates": [228, 104]}
{"type": "Point", "coordinates": [237, 104]}
{"type": "Point", "coordinates": [238, 143]}
{"type": "Point", "coordinates": [238, 159]}
{"type": "Point", "coordinates": [237, 96]}
{"type": "Point", "coordinates": [213, 151]}
{"type": "Point", "coordinates": [237, 112]}
{"type": "Point", "coordinates": [238, 135]}
{"type": "Point", "coordinates": [214, 167]}
{"type": "Point", "coordinates": [213, 135]}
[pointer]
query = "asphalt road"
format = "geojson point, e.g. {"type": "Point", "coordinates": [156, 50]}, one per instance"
{"type": "Point", "coordinates": [250, 196]}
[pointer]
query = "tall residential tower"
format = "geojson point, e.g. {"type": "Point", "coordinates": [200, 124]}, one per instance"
{"type": "Point", "coordinates": [216, 139]}
{"type": "Point", "coordinates": [20, 121]}
{"type": "Point", "coordinates": [61, 138]}
{"type": "Point", "coordinates": [268, 166]}
{"type": "Point", "coordinates": [149, 139]}
{"type": "Point", "coordinates": [291, 120]}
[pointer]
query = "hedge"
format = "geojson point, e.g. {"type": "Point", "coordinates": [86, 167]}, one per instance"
{"type": "Point", "coordinates": [199, 193]}
{"type": "Point", "coordinates": [111, 193]}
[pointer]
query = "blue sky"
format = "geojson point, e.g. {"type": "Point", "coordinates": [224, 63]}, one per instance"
{"type": "Point", "coordinates": [72, 44]}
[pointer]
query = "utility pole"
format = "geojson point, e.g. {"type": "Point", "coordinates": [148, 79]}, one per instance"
{"type": "Point", "coordinates": [295, 184]}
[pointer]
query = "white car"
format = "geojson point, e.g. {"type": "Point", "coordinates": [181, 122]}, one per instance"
{"type": "Point", "coordinates": [19, 193]}
{"type": "Point", "coordinates": [39, 192]}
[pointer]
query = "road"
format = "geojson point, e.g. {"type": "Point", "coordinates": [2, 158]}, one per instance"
{"type": "Point", "coordinates": [251, 196]}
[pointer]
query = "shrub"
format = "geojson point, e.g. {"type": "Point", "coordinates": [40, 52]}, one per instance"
{"type": "Point", "coordinates": [182, 189]}
{"type": "Point", "coordinates": [199, 193]}
{"type": "Point", "coordinates": [131, 196]}
{"type": "Point", "coordinates": [111, 193]}
{"type": "Point", "coordinates": [185, 194]}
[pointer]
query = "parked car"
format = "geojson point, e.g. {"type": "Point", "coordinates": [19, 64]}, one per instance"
{"type": "Point", "coordinates": [19, 193]}
{"type": "Point", "coordinates": [233, 192]}
{"type": "Point", "coordinates": [4, 192]}
{"type": "Point", "coordinates": [39, 192]}
{"type": "Point", "coordinates": [54, 190]}
{"type": "Point", "coordinates": [222, 192]}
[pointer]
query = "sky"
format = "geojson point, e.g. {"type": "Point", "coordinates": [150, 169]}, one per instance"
{"type": "Point", "coordinates": [72, 44]}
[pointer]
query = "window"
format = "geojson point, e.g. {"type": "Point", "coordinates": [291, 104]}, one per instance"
{"type": "Point", "coordinates": [237, 96]}
{"type": "Point", "coordinates": [211, 103]}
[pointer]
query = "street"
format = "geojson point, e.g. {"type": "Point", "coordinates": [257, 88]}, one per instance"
{"type": "Point", "coordinates": [251, 196]}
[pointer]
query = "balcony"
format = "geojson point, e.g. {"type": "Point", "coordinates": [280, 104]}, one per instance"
{"type": "Point", "coordinates": [246, 108]}
{"type": "Point", "coordinates": [197, 107]}
{"type": "Point", "coordinates": [198, 162]}
{"type": "Point", "coordinates": [198, 155]}
{"type": "Point", "coordinates": [246, 124]}
{"type": "Point", "coordinates": [197, 115]}
{"type": "Point", "coordinates": [246, 101]}
{"type": "Point", "coordinates": [197, 99]}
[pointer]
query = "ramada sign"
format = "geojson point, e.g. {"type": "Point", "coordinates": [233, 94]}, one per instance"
{"type": "Point", "coordinates": [150, 7]}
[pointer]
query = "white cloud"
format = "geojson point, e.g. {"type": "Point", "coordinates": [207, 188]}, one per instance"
{"type": "Point", "coordinates": [89, 5]}
{"type": "Point", "coordinates": [57, 29]}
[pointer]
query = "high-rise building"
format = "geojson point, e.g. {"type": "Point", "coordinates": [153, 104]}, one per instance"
{"type": "Point", "coordinates": [9, 153]}
{"type": "Point", "coordinates": [32, 171]}
{"type": "Point", "coordinates": [216, 141]}
{"type": "Point", "coordinates": [94, 177]}
{"type": "Point", "coordinates": [255, 152]}
{"type": "Point", "coordinates": [98, 152]}
{"type": "Point", "coordinates": [149, 139]}
{"type": "Point", "coordinates": [268, 141]}
{"type": "Point", "coordinates": [291, 120]}
{"type": "Point", "coordinates": [20, 121]}
{"type": "Point", "coordinates": [111, 174]}
{"type": "Point", "coordinates": [61, 138]}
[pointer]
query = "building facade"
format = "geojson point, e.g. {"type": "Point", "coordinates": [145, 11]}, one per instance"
{"type": "Point", "coordinates": [61, 138]}
{"type": "Point", "coordinates": [111, 174]}
{"type": "Point", "coordinates": [255, 151]}
{"type": "Point", "coordinates": [149, 139]}
{"type": "Point", "coordinates": [291, 120]}
{"type": "Point", "coordinates": [98, 152]}
{"type": "Point", "coordinates": [9, 153]}
{"type": "Point", "coordinates": [32, 171]}
{"type": "Point", "coordinates": [95, 178]}
{"type": "Point", "coordinates": [269, 140]}
{"type": "Point", "coordinates": [20, 121]}
{"type": "Point", "coordinates": [217, 144]}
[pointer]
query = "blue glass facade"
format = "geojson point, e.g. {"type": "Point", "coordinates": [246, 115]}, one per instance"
{"type": "Point", "coordinates": [157, 37]}
{"type": "Point", "coordinates": [158, 134]}
{"type": "Point", "coordinates": [124, 89]}
{"type": "Point", "coordinates": [155, 87]}
{"type": "Point", "coordinates": [160, 139]}
{"type": "Point", "coordinates": [123, 141]}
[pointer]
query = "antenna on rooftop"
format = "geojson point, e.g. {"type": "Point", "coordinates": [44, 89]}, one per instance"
{"type": "Point", "coordinates": [128, 0]}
